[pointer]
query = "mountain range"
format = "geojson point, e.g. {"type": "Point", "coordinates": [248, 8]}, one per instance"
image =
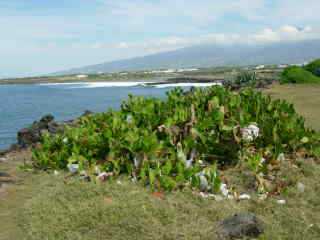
{"type": "Point", "coordinates": [211, 55]}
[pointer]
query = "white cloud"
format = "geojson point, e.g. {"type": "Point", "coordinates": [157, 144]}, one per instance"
{"type": "Point", "coordinates": [289, 29]}
{"type": "Point", "coordinates": [267, 35]}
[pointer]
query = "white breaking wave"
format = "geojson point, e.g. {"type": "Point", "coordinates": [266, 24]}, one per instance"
{"type": "Point", "coordinates": [129, 84]}
{"type": "Point", "coordinates": [98, 84]}
{"type": "Point", "coordinates": [56, 84]}
{"type": "Point", "coordinates": [188, 85]}
{"type": "Point", "coordinates": [111, 84]}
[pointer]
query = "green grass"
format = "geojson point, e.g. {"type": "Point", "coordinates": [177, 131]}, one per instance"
{"type": "Point", "coordinates": [298, 75]}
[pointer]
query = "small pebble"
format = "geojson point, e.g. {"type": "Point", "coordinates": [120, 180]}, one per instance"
{"type": "Point", "coordinates": [281, 202]}
{"type": "Point", "coordinates": [218, 198]}
{"type": "Point", "coordinates": [104, 176]}
{"type": "Point", "coordinates": [204, 195]}
{"type": "Point", "coordinates": [281, 157]}
{"type": "Point", "coordinates": [73, 168]}
{"type": "Point", "coordinates": [224, 190]}
{"type": "Point", "coordinates": [119, 182]}
{"type": "Point", "coordinates": [97, 170]}
{"type": "Point", "coordinates": [263, 197]}
{"type": "Point", "coordinates": [301, 187]}
{"type": "Point", "coordinates": [244, 197]}
{"type": "Point", "coordinates": [230, 197]}
{"type": "Point", "coordinates": [56, 173]}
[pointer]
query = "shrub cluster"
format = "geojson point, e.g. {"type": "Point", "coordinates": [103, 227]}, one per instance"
{"type": "Point", "coordinates": [181, 140]}
{"type": "Point", "coordinates": [308, 74]}
{"type": "Point", "coordinates": [314, 67]}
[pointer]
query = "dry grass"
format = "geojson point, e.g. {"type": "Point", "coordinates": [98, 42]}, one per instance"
{"type": "Point", "coordinates": [305, 97]}
{"type": "Point", "coordinates": [79, 210]}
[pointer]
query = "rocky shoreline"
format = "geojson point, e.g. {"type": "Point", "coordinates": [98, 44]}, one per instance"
{"type": "Point", "coordinates": [31, 136]}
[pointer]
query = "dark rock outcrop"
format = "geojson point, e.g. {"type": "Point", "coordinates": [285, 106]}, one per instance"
{"type": "Point", "coordinates": [239, 226]}
{"type": "Point", "coordinates": [32, 135]}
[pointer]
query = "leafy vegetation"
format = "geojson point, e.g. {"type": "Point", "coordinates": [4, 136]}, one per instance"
{"type": "Point", "coordinates": [296, 74]}
{"type": "Point", "coordinates": [182, 140]}
{"type": "Point", "coordinates": [314, 67]}
{"type": "Point", "coordinates": [248, 79]}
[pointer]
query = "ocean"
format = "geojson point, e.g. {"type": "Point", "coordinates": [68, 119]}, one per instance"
{"type": "Point", "coordinates": [21, 105]}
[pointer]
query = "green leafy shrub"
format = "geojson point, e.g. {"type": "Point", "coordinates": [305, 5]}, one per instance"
{"type": "Point", "coordinates": [296, 74]}
{"type": "Point", "coordinates": [182, 140]}
{"type": "Point", "coordinates": [314, 67]}
{"type": "Point", "coordinates": [242, 79]}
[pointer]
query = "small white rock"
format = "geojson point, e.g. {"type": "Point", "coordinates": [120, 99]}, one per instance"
{"type": "Point", "coordinates": [3, 159]}
{"type": "Point", "coordinates": [73, 168]}
{"type": "Point", "coordinates": [97, 170]}
{"type": "Point", "coordinates": [281, 157]}
{"type": "Point", "coordinates": [244, 197]}
{"type": "Point", "coordinates": [203, 183]}
{"type": "Point", "coordinates": [203, 195]}
{"type": "Point", "coordinates": [137, 162]}
{"type": "Point", "coordinates": [281, 202]}
{"type": "Point", "coordinates": [263, 197]}
{"type": "Point", "coordinates": [224, 190]}
{"type": "Point", "coordinates": [119, 182]}
{"type": "Point", "coordinates": [189, 163]}
{"type": "Point", "coordinates": [301, 187]}
{"type": "Point", "coordinates": [65, 140]}
{"type": "Point", "coordinates": [56, 173]}
{"type": "Point", "coordinates": [250, 133]}
{"type": "Point", "coordinates": [230, 197]}
{"type": "Point", "coordinates": [103, 176]}
{"type": "Point", "coordinates": [218, 198]}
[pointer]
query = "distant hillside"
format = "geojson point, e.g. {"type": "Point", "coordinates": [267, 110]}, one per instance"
{"type": "Point", "coordinates": [213, 55]}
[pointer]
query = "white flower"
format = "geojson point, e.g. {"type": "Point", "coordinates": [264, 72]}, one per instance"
{"type": "Point", "coordinates": [250, 133]}
{"type": "Point", "coordinates": [65, 140]}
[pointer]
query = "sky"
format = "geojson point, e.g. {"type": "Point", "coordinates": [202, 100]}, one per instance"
{"type": "Point", "coordinates": [44, 36]}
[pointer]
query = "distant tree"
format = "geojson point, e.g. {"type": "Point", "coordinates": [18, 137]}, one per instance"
{"type": "Point", "coordinates": [314, 67]}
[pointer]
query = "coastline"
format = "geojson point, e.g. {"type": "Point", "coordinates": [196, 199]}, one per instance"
{"type": "Point", "coordinates": [120, 81]}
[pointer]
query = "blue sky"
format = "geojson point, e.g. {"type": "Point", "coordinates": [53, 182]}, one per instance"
{"type": "Point", "coordinates": [41, 36]}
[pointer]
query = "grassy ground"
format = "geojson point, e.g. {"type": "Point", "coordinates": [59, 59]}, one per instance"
{"type": "Point", "coordinates": [306, 98]}
{"type": "Point", "coordinates": [45, 206]}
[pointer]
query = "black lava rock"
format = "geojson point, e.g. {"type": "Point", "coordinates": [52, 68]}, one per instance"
{"type": "Point", "coordinates": [239, 226]}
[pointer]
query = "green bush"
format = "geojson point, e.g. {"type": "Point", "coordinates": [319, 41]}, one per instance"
{"type": "Point", "coordinates": [179, 141]}
{"type": "Point", "coordinates": [314, 67]}
{"type": "Point", "coordinates": [242, 79]}
{"type": "Point", "coordinates": [296, 74]}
